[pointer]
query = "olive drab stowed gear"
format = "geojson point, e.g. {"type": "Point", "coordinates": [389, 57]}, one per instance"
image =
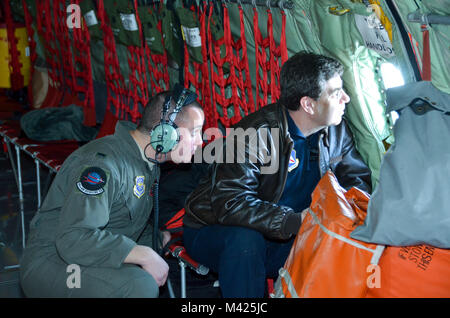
{"type": "Point", "coordinates": [152, 36]}
{"type": "Point", "coordinates": [122, 18]}
{"type": "Point", "coordinates": [190, 30]}
{"type": "Point", "coordinates": [173, 38]}
{"type": "Point", "coordinates": [89, 11]}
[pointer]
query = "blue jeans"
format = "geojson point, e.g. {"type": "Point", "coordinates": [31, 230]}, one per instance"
{"type": "Point", "coordinates": [242, 257]}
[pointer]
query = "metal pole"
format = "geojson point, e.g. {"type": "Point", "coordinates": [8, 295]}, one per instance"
{"type": "Point", "coordinates": [19, 176]}
{"type": "Point", "coordinates": [183, 279]}
{"type": "Point", "coordinates": [38, 177]}
{"type": "Point", "coordinates": [169, 287]}
{"type": "Point", "coordinates": [13, 165]}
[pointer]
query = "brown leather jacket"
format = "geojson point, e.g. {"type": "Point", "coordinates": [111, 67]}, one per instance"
{"type": "Point", "coordinates": [246, 193]}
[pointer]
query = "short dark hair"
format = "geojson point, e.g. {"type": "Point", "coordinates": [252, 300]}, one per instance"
{"type": "Point", "coordinates": [151, 115]}
{"type": "Point", "coordinates": [305, 74]}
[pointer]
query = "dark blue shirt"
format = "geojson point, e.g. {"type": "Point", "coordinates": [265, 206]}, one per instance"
{"type": "Point", "coordinates": [303, 169]}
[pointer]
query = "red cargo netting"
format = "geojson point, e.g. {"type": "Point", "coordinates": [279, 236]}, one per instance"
{"type": "Point", "coordinates": [237, 76]}
{"type": "Point", "coordinates": [199, 79]}
{"type": "Point", "coordinates": [82, 59]}
{"type": "Point", "coordinates": [137, 85]}
{"type": "Point", "coordinates": [114, 80]}
{"type": "Point", "coordinates": [61, 32]}
{"type": "Point", "coordinates": [157, 63]}
{"type": "Point", "coordinates": [268, 62]}
{"type": "Point", "coordinates": [45, 24]}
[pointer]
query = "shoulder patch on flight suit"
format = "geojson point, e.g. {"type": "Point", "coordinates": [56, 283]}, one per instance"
{"type": "Point", "coordinates": [139, 186]}
{"type": "Point", "coordinates": [293, 161]}
{"type": "Point", "coordinates": [92, 181]}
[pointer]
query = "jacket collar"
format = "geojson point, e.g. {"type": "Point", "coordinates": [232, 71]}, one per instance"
{"type": "Point", "coordinates": [122, 132]}
{"type": "Point", "coordinates": [284, 125]}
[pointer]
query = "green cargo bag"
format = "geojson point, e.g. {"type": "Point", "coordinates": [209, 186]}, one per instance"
{"type": "Point", "coordinates": [122, 19]}
{"type": "Point", "coordinates": [172, 39]}
{"type": "Point", "coordinates": [149, 19]}
{"type": "Point", "coordinates": [190, 29]}
{"type": "Point", "coordinates": [90, 15]}
{"type": "Point", "coordinates": [216, 28]}
{"type": "Point", "coordinates": [57, 123]}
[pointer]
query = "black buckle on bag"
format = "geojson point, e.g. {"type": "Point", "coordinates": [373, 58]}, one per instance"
{"type": "Point", "coordinates": [421, 106]}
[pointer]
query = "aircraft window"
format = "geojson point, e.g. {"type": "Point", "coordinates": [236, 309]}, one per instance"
{"type": "Point", "coordinates": [392, 77]}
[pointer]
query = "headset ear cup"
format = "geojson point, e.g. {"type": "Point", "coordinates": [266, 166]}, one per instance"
{"type": "Point", "coordinates": [164, 137]}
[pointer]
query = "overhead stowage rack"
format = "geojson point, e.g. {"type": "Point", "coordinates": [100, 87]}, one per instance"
{"type": "Point", "coordinates": [282, 4]}
{"type": "Point", "coordinates": [418, 17]}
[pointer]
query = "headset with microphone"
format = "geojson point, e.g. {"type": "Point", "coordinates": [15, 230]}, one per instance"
{"type": "Point", "coordinates": [165, 136]}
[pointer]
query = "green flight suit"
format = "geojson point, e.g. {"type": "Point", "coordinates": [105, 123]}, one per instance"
{"type": "Point", "coordinates": [96, 211]}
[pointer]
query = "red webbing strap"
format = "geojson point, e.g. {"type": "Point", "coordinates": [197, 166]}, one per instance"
{"type": "Point", "coordinates": [200, 79]}
{"type": "Point", "coordinates": [161, 73]}
{"type": "Point", "coordinates": [242, 95]}
{"type": "Point", "coordinates": [218, 79]}
{"type": "Point", "coordinates": [114, 80]}
{"type": "Point", "coordinates": [243, 64]}
{"type": "Point", "coordinates": [272, 65]}
{"type": "Point", "coordinates": [260, 59]}
{"type": "Point", "coordinates": [426, 59]}
{"type": "Point", "coordinates": [211, 114]}
{"type": "Point", "coordinates": [44, 25]}
{"type": "Point", "coordinates": [157, 63]}
{"type": "Point", "coordinates": [141, 68]}
{"type": "Point", "coordinates": [176, 222]}
{"type": "Point", "coordinates": [205, 84]}
{"type": "Point", "coordinates": [415, 48]}
{"type": "Point", "coordinates": [231, 76]}
{"type": "Point", "coordinates": [16, 77]}
{"type": "Point", "coordinates": [31, 43]}
{"type": "Point", "coordinates": [189, 78]}
{"type": "Point", "coordinates": [236, 81]}
{"type": "Point", "coordinates": [275, 54]}
{"type": "Point", "coordinates": [157, 66]}
{"type": "Point", "coordinates": [65, 48]}
{"type": "Point", "coordinates": [137, 90]}
{"type": "Point", "coordinates": [136, 63]}
{"type": "Point", "coordinates": [82, 58]}
{"type": "Point", "coordinates": [205, 89]}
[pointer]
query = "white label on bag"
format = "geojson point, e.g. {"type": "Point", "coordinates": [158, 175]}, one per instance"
{"type": "Point", "coordinates": [375, 38]}
{"type": "Point", "coordinates": [90, 18]}
{"type": "Point", "coordinates": [129, 21]}
{"type": "Point", "coordinates": [192, 36]}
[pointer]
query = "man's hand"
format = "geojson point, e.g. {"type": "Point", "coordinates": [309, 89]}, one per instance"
{"type": "Point", "coordinates": [166, 238]}
{"type": "Point", "coordinates": [150, 261]}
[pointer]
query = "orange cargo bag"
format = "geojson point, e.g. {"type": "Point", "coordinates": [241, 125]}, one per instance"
{"type": "Point", "coordinates": [414, 271]}
{"type": "Point", "coordinates": [324, 261]}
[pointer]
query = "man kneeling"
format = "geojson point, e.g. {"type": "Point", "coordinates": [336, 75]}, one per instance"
{"type": "Point", "coordinates": [92, 237]}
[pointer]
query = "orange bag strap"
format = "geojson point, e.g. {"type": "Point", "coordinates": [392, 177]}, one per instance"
{"type": "Point", "coordinates": [376, 251]}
